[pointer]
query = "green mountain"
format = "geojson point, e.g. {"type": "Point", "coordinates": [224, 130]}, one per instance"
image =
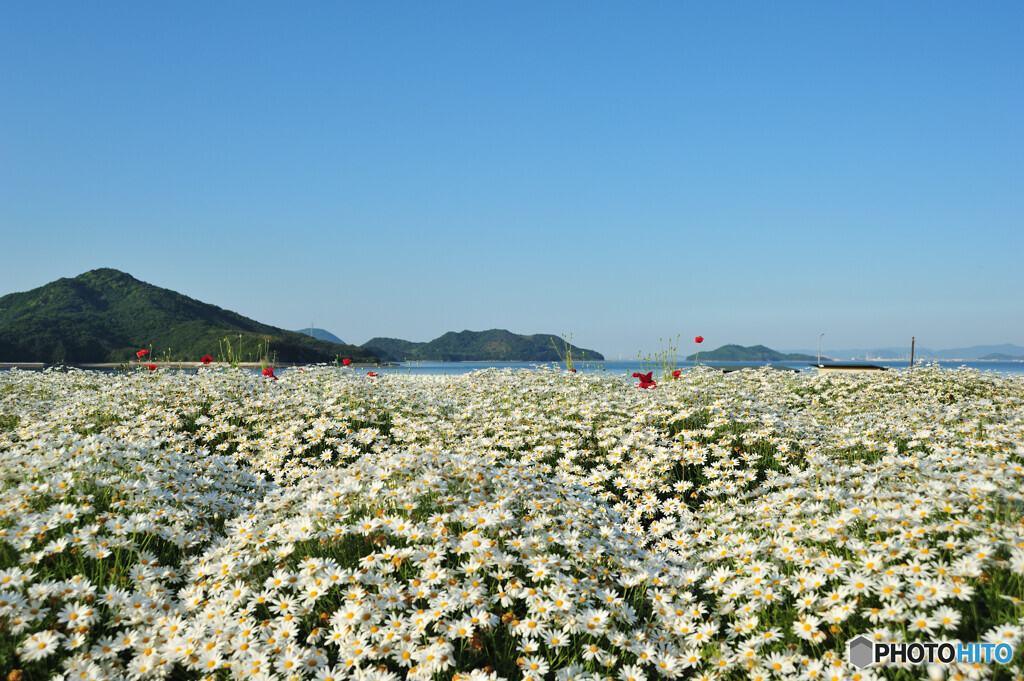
{"type": "Point", "coordinates": [495, 345]}
{"type": "Point", "coordinates": [107, 316]}
{"type": "Point", "coordinates": [754, 353]}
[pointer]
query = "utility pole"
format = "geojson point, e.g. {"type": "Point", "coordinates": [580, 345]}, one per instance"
{"type": "Point", "coordinates": [819, 350]}
{"type": "Point", "coordinates": [911, 352]}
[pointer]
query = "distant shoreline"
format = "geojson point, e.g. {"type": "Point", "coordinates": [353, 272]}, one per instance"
{"type": "Point", "coordinates": [918, 360]}
{"type": "Point", "coordinates": [169, 365]}
{"type": "Point", "coordinates": [106, 366]}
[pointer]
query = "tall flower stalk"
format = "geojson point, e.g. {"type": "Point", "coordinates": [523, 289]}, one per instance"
{"type": "Point", "coordinates": [566, 354]}
{"type": "Point", "coordinates": [665, 361]}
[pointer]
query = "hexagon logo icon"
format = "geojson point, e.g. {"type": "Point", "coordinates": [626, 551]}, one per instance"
{"type": "Point", "coordinates": [862, 652]}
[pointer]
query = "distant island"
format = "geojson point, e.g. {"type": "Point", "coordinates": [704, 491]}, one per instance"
{"type": "Point", "coordinates": [495, 345]}
{"type": "Point", "coordinates": [106, 315]}
{"type": "Point", "coordinates": [1001, 356]}
{"type": "Point", "coordinates": [753, 353]}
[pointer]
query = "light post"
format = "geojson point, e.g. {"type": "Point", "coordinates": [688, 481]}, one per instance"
{"type": "Point", "coordinates": [819, 350]}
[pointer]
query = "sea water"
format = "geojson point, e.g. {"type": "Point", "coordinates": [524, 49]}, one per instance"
{"type": "Point", "coordinates": [627, 367]}
{"type": "Point", "coordinates": [624, 367]}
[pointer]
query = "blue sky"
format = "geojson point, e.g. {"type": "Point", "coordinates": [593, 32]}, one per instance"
{"type": "Point", "coordinates": [754, 172]}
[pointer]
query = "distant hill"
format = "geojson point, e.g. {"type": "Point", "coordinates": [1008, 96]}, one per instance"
{"type": "Point", "coordinates": [1003, 357]}
{"type": "Point", "coordinates": [968, 353]}
{"type": "Point", "coordinates": [980, 351]}
{"type": "Point", "coordinates": [107, 316]}
{"type": "Point", "coordinates": [754, 353]}
{"type": "Point", "coordinates": [495, 345]}
{"type": "Point", "coordinates": [320, 334]}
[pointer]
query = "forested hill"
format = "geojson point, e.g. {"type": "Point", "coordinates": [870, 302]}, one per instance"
{"type": "Point", "coordinates": [495, 345]}
{"type": "Point", "coordinates": [753, 353]}
{"type": "Point", "coordinates": [106, 316]}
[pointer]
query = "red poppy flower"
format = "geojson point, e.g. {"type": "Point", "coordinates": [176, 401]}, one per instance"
{"type": "Point", "coordinates": [646, 380]}
{"type": "Point", "coordinates": [269, 371]}
{"type": "Point", "coordinates": [151, 367]}
{"type": "Point", "coordinates": [346, 361]}
{"type": "Point", "coordinates": [141, 353]}
{"type": "Point", "coordinates": [572, 371]}
{"type": "Point", "coordinates": [636, 374]}
{"type": "Point", "coordinates": [371, 373]}
{"type": "Point", "coordinates": [698, 339]}
{"type": "Point", "coordinates": [207, 359]}
{"type": "Point", "coordinates": [677, 373]}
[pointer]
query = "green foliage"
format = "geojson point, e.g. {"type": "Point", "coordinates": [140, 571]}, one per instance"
{"type": "Point", "coordinates": [105, 316]}
{"type": "Point", "coordinates": [565, 354]}
{"type": "Point", "coordinates": [495, 345]}
{"type": "Point", "coordinates": [662, 363]}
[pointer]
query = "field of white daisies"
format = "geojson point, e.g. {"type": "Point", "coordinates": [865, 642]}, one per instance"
{"type": "Point", "coordinates": [505, 525]}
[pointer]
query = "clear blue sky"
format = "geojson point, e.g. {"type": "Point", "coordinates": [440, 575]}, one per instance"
{"type": "Point", "coordinates": [755, 172]}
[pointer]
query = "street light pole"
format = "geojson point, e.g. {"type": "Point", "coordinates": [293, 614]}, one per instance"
{"type": "Point", "coordinates": [819, 350]}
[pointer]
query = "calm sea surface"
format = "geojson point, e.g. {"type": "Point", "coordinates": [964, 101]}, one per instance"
{"type": "Point", "coordinates": [627, 367]}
